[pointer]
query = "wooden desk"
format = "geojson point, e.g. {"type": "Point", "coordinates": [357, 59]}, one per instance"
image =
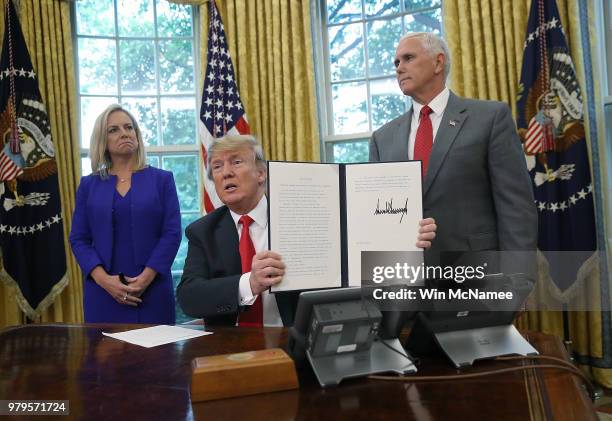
{"type": "Point", "coordinates": [107, 379]}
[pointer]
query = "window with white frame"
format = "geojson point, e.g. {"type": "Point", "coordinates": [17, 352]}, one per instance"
{"type": "Point", "coordinates": [140, 53]}
{"type": "Point", "coordinates": [356, 81]}
{"type": "Point", "coordinates": [606, 44]}
{"type": "Point", "coordinates": [604, 21]}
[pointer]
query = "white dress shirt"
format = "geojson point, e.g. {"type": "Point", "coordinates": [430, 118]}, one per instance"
{"type": "Point", "coordinates": [438, 105]}
{"type": "Point", "coordinates": [259, 235]}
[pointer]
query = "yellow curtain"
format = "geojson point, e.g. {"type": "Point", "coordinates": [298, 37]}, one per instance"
{"type": "Point", "coordinates": [486, 39]}
{"type": "Point", "coordinates": [47, 30]}
{"type": "Point", "coordinates": [271, 47]}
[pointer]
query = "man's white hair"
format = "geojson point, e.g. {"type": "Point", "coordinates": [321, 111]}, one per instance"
{"type": "Point", "coordinates": [434, 45]}
{"type": "Point", "coordinates": [233, 143]}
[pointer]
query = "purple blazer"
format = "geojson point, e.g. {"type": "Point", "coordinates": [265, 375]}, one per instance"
{"type": "Point", "coordinates": [155, 224]}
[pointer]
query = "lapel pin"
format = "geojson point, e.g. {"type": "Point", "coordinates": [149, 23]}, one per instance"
{"type": "Point", "coordinates": [452, 123]}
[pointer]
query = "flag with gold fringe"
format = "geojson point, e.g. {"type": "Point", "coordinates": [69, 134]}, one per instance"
{"type": "Point", "coordinates": [31, 228]}
{"type": "Point", "coordinates": [550, 121]}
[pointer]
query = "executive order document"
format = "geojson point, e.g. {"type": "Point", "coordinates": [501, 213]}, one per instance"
{"type": "Point", "coordinates": [323, 215]}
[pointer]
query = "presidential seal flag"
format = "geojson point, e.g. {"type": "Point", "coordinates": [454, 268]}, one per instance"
{"type": "Point", "coordinates": [550, 122]}
{"type": "Point", "coordinates": [31, 231]}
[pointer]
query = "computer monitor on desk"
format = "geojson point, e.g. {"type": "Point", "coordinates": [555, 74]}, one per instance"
{"type": "Point", "coordinates": [464, 323]}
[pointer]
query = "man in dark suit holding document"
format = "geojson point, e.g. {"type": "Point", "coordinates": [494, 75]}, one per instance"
{"type": "Point", "coordinates": [229, 268]}
{"type": "Point", "coordinates": [475, 181]}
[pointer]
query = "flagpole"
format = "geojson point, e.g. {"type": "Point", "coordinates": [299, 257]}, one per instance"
{"type": "Point", "coordinates": [566, 333]}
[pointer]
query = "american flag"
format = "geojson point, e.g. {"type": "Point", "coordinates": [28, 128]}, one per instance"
{"type": "Point", "coordinates": [10, 167]}
{"type": "Point", "coordinates": [221, 111]}
{"type": "Point", "coordinates": [539, 137]}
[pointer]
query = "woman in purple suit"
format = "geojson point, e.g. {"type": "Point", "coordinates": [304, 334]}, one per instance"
{"type": "Point", "coordinates": [126, 227]}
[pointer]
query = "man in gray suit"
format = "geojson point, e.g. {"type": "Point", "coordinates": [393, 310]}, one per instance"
{"type": "Point", "coordinates": [476, 185]}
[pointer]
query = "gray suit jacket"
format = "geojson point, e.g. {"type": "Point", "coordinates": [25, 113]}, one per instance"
{"type": "Point", "coordinates": [477, 186]}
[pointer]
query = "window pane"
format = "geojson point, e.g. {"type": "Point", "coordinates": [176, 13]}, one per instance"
{"type": "Point", "coordinates": [350, 108]}
{"type": "Point", "coordinates": [137, 61]}
{"type": "Point", "coordinates": [343, 10]}
{"type": "Point", "coordinates": [135, 18]}
{"type": "Point", "coordinates": [173, 19]}
{"type": "Point", "coordinates": [381, 7]}
{"type": "Point", "coordinates": [95, 17]}
{"type": "Point", "coordinates": [410, 5]}
{"type": "Point", "coordinates": [179, 261]}
{"type": "Point", "coordinates": [359, 43]}
{"type": "Point", "coordinates": [387, 101]}
{"type": "Point", "coordinates": [383, 36]}
{"type": "Point", "coordinates": [153, 160]}
{"type": "Point", "coordinates": [346, 52]}
{"type": "Point", "coordinates": [158, 90]}
{"type": "Point", "coordinates": [85, 166]}
{"type": "Point", "coordinates": [91, 108]}
{"type": "Point", "coordinates": [351, 152]}
{"type": "Point", "coordinates": [185, 169]}
{"type": "Point", "coordinates": [97, 66]}
{"type": "Point", "coordinates": [425, 22]}
{"type": "Point", "coordinates": [178, 121]}
{"type": "Point", "coordinates": [176, 66]}
{"type": "Point", "coordinates": [145, 112]}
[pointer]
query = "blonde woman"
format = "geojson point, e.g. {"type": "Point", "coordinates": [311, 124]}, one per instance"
{"type": "Point", "coordinates": [126, 227]}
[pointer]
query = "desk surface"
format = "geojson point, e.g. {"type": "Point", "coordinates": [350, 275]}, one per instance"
{"type": "Point", "coordinates": [105, 378]}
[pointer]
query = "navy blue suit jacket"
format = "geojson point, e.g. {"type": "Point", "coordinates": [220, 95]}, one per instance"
{"type": "Point", "coordinates": [211, 276]}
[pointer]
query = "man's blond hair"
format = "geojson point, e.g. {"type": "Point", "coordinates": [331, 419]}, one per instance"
{"type": "Point", "coordinates": [233, 143]}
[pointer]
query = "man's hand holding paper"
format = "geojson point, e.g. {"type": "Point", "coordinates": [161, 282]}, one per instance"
{"type": "Point", "coordinates": [427, 232]}
{"type": "Point", "coordinates": [267, 270]}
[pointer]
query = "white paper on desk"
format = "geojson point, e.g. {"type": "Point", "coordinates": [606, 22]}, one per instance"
{"type": "Point", "coordinates": [156, 335]}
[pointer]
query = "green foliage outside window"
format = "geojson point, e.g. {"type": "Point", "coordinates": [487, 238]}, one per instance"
{"type": "Point", "coordinates": [361, 39]}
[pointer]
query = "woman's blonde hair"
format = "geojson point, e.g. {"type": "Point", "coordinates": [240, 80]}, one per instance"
{"type": "Point", "coordinates": [98, 148]}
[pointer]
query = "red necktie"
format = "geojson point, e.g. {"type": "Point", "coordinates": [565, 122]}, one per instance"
{"type": "Point", "coordinates": [253, 316]}
{"type": "Point", "coordinates": [424, 139]}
